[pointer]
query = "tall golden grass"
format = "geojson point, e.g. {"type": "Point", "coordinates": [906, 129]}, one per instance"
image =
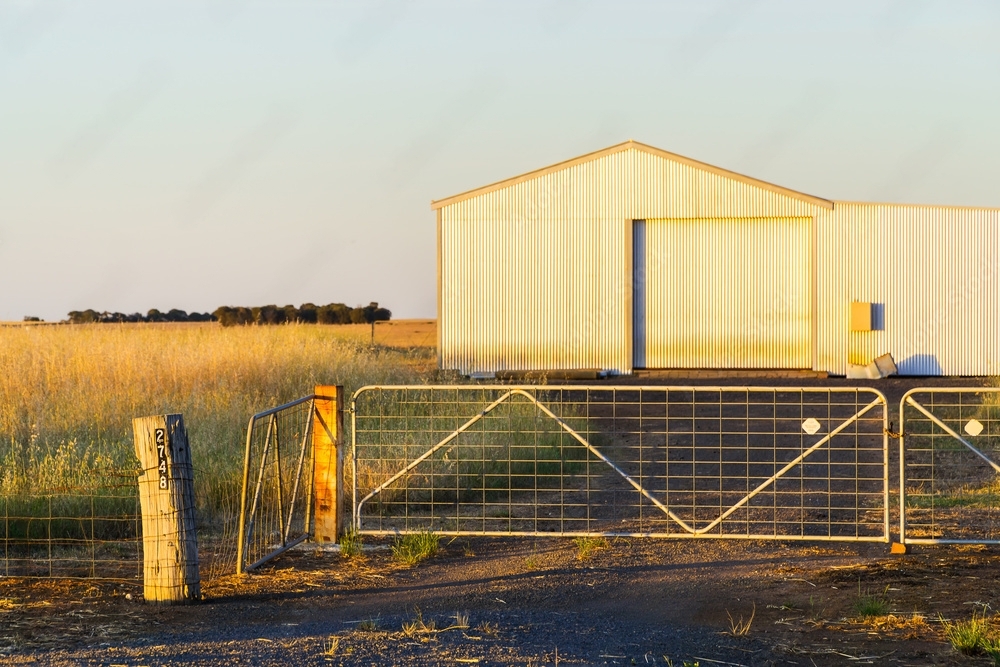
{"type": "Point", "coordinates": [68, 393]}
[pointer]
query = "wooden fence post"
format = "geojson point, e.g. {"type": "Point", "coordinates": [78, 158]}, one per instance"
{"type": "Point", "coordinates": [328, 495]}
{"type": "Point", "coordinates": [166, 494]}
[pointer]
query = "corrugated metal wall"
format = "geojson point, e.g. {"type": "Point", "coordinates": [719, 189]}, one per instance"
{"type": "Point", "coordinates": [932, 273]}
{"type": "Point", "coordinates": [724, 293]}
{"type": "Point", "coordinates": [538, 274]}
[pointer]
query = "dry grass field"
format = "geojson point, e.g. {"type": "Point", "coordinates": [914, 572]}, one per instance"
{"type": "Point", "coordinates": [69, 392]}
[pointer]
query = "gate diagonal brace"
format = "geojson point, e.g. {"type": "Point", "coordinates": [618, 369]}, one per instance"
{"type": "Point", "coordinates": [952, 433]}
{"type": "Point", "coordinates": [638, 487]}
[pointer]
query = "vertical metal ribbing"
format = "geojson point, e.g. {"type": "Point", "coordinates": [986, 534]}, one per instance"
{"type": "Point", "coordinates": [932, 270]}
{"type": "Point", "coordinates": [538, 274]}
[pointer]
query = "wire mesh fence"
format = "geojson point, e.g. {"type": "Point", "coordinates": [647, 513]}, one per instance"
{"type": "Point", "coordinates": [733, 462]}
{"type": "Point", "coordinates": [950, 466]}
{"type": "Point", "coordinates": [87, 522]}
{"type": "Point", "coordinates": [276, 501]}
{"type": "Point", "coordinates": [90, 530]}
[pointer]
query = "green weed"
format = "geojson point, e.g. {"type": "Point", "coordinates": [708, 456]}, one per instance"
{"type": "Point", "coordinates": [991, 647]}
{"type": "Point", "coordinates": [369, 625]}
{"type": "Point", "coordinates": [969, 637]}
{"type": "Point", "coordinates": [413, 548]}
{"type": "Point", "coordinates": [869, 605]}
{"type": "Point", "coordinates": [351, 543]}
{"type": "Point", "coordinates": [588, 546]}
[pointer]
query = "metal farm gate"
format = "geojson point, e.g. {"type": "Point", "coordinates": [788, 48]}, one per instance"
{"type": "Point", "coordinates": [793, 463]}
{"type": "Point", "coordinates": [950, 466]}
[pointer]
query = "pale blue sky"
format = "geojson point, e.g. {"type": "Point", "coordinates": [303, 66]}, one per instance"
{"type": "Point", "coordinates": [192, 155]}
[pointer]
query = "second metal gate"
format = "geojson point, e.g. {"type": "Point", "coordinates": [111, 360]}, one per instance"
{"type": "Point", "coordinates": [950, 466]}
{"type": "Point", "coordinates": [684, 462]}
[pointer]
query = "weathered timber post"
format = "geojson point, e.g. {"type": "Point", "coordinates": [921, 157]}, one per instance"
{"type": "Point", "coordinates": [328, 450]}
{"type": "Point", "coordinates": [166, 494]}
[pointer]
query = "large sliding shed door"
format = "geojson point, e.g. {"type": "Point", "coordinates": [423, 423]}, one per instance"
{"type": "Point", "coordinates": [722, 293]}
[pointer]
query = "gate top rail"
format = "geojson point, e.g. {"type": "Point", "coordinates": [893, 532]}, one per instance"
{"type": "Point", "coordinates": [948, 390]}
{"type": "Point", "coordinates": [291, 404]}
{"type": "Point", "coordinates": [622, 387]}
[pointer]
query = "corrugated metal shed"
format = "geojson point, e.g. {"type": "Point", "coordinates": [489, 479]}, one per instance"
{"type": "Point", "coordinates": [542, 271]}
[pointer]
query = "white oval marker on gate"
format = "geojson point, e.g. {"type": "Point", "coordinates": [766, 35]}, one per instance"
{"type": "Point", "coordinates": [974, 427]}
{"type": "Point", "coordinates": [810, 426]}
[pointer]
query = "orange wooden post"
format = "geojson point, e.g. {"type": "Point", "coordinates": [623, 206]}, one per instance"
{"type": "Point", "coordinates": [328, 451]}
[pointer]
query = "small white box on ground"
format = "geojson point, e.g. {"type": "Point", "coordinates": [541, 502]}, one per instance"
{"type": "Point", "coordinates": [886, 365]}
{"type": "Point", "coordinates": [857, 372]}
{"type": "Point", "coordinates": [881, 367]}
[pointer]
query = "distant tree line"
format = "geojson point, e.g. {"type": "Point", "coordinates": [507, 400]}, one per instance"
{"type": "Point", "coordinates": [174, 315]}
{"type": "Point", "coordinates": [307, 313]}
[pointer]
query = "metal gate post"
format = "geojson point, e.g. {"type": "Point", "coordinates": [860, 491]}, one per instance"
{"type": "Point", "coordinates": [328, 453]}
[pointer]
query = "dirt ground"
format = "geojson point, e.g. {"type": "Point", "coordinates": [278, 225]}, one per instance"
{"type": "Point", "coordinates": [527, 602]}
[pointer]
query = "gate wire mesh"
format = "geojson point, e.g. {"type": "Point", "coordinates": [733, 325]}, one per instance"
{"type": "Point", "coordinates": [277, 483]}
{"type": "Point", "coordinates": [950, 466]}
{"type": "Point", "coordinates": [86, 531]}
{"type": "Point", "coordinates": [723, 462]}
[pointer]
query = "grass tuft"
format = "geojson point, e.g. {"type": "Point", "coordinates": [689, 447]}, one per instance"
{"type": "Point", "coordinates": [417, 627]}
{"type": "Point", "coordinates": [351, 544]}
{"type": "Point", "coordinates": [871, 605]}
{"type": "Point", "coordinates": [414, 548]}
{"type": "Point", "coordinates": [461, 620]}
{"type": "Point", "coordinates": [487, 628]}
{"type": "Point", "coordinates": [588, 546]}
{"type": "Point", "coordinates": [331, 646]}
{"type": "Point", "coordinates": [969, 637]}
{"type": "Point", "coordinates": [369, 625]}
{"type": "Point", "coordinates": [741, 628]}
{"type": "Point", "coordinates": [991, 647]}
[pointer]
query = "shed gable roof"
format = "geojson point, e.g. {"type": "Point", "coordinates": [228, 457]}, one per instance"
{"type": "Point", "coordinates": [635, 145]}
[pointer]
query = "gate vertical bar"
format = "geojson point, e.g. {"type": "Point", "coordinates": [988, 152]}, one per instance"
{"type": "Point", "coordinates": [241, 534]}
{"type": "Point", "coordinates": [306, 432]}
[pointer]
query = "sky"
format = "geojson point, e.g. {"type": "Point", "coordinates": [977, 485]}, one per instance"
{"type": "Point", "coordinates": [192, 155]}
